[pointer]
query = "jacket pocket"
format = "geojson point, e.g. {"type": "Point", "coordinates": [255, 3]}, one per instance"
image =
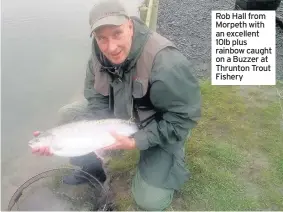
{"type": "Point", "coordinates": [101, 84]}
{"type": "Point", "coordinates": [140, 87]}
{"type": "Point", "coordinates": [122, 103]}
{"type": "Point", "coordinates": [178, 173]}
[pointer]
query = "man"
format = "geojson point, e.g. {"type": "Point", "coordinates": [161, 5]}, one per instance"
{"type": "Point", "coordinates": [137, 74]}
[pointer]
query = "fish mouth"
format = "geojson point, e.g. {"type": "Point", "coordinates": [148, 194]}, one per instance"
{"type": "Point", "coordinates": [31, 142]}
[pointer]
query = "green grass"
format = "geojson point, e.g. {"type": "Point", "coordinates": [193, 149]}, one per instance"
{"type": "Point", "coordinates": [235, 154]}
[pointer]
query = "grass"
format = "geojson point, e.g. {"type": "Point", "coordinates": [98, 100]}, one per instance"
{"type": "Point", "coordinates": [235, 154]}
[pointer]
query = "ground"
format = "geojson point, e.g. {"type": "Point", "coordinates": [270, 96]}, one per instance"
{"type": "Point", "coordinates": [235, 154]}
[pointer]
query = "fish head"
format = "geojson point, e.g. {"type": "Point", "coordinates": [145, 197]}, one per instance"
{"type": "Point", "coordinates": [43, 140]}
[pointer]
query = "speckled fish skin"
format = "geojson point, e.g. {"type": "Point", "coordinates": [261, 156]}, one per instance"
{"type": "Point", "coordinates": [82, 137]}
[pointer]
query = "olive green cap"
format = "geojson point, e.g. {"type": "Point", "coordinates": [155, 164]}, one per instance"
{"type": "Point", "coordinates": [107, 12]}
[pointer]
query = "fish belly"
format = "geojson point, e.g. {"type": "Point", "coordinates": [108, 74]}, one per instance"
{"type": "Point", "coordinates": [80, 145]}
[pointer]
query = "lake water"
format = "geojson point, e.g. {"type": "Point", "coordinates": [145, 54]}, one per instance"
{"type": "Point", "coordinates": [45, 47]}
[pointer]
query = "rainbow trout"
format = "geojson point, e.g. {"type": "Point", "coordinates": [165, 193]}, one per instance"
{"type": "Point", "coordinates": [82, 137]}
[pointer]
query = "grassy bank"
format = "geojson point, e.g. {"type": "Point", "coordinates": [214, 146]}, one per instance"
{"type": "Point", "coordinates": [235, 154]}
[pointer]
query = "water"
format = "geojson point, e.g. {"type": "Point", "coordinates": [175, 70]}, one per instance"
{"type": "Point", "coordinates": [45, 46]}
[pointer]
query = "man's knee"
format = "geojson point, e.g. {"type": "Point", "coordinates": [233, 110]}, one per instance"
{"type": "Point", "coordinates": [154, 204]}
{"type": "Point", "coordinates": [148, 197]}
{"type": "Point", "coordinates": [150, 200]}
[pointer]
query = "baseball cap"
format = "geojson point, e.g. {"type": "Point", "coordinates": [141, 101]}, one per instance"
{"type": "Point", "coordinates": [107, 12]}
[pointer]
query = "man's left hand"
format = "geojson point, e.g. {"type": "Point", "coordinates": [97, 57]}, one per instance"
{"type": "Point", "coordinates": [122, 142]}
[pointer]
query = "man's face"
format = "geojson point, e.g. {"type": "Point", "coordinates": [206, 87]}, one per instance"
{"type": "Point", "coordinates": [115, 41]}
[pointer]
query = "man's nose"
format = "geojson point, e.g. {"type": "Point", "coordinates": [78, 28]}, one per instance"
{"type": "Point", "coordinates": [112, 46]}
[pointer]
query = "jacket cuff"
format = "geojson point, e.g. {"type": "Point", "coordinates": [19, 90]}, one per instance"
{"type": "Point", "coordinates": [141, 140]}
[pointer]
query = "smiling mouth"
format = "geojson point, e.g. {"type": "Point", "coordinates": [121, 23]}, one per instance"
{"type": "Point", "coordinates": [115, 55]}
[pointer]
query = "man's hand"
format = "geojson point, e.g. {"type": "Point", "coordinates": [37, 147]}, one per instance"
{"type": "Point", "coordinates": [122, 142]}
{"type": "Point", "coordinates": [43, 151]}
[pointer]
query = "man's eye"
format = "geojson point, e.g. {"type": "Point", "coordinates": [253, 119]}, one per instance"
{"type": "Point", "coordinates": [102, 39]}
{"type": "Point", "coordinates": [117, 34]}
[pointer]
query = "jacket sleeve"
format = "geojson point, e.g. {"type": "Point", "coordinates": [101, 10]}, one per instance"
{"type": "Point", "coordinates": [176, 93]}
{"type": "Point", "coordinates": [97, 103]}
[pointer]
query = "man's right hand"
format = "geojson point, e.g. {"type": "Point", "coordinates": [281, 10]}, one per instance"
{"type": "Point", "coordinates": [43, 151]}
